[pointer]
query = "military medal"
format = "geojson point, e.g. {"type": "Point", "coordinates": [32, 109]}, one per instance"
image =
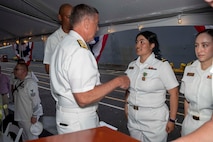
{"type": "Point", "coordinates": [209, 76]}
{"type": "Point", "coordinates": [144, 76]}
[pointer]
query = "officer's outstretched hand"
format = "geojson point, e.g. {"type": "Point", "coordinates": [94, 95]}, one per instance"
{"type": "Point", "coordinates": [124, 82]}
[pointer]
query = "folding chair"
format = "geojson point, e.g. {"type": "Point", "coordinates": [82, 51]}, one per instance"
{"type": "Point", "coordinates": [11, 128]}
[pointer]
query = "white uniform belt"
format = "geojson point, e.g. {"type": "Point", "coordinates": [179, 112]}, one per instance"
{"type": "Point", "coordinates": [76, 110]}
{"type": "Point", "coordinates": [135, 107]}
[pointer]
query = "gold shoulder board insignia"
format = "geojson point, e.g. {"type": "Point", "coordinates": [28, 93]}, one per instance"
{"type": "Point", "coordinates": [188, 64]}
{"type": "Point", "coordinates": [82, 44]}
{"type": "Point", "coordinates": [163, 60]}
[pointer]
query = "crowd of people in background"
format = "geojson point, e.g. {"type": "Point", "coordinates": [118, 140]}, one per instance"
{"type": "Point", "coordinates": [77, 89]}
{"type": "Point", "coordinates": [22, 90]}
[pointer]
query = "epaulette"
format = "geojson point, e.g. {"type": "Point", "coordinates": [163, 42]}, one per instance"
{"type": "Point", "coordinates": [163, 59]}
{"type": "Point", "coordinates": [188, 64]}
{"type": "Point", "coordinates": [82, 44]}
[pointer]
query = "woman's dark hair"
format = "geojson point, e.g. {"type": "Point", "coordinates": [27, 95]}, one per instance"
{"type": "Point", "coordinates": [152, 38]}
{"type": "Point", "coordinates": [208, 31]}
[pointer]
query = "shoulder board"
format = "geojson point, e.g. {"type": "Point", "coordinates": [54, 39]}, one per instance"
{"type": "Point", "coordinates": [163, 60]}
{"type": "Point", "coordinates": [82, 44]}
{"type": "Point", "coordinates": [188, 64]}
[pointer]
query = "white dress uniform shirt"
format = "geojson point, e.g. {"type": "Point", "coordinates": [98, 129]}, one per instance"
{"type": "Point", "coordinates": [51, 44]}
{"type": "Point", "coordinates": [197, 88]}
{"type": "Point", "coordinates": [150, 92]}
{"type": "Point", "coordinates": [74, 70]}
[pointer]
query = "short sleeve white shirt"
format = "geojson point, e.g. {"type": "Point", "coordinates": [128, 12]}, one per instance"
{"type": "Point", "coordinates": [197, 87]}
{"type": "Point", "coordinates": [75, 69]}
{"type": "Point", "coordinates": [149, 82]}
{"type": "Point", "coordinates": [51, 44]}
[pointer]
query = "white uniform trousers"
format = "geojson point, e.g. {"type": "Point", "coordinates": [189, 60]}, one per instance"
{"type": "Point", "coordinates": [148, 124]}
{"type": "Point", "coordinates": [189, 124]}
{"type": "Point", "coordinates": [71, 120]}
{"type": "Point", "coordinates": [26, 134]}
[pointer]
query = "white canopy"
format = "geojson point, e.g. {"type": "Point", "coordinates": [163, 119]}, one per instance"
{"type": "Point", "coordinates": [34, 18]}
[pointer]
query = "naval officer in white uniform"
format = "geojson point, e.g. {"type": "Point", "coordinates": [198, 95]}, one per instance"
{"type": "Point", "coordinates": [75, 77]}
{"type": "Point", "coordinates": [149, 119]}
{"type": "Point", "coordinates": [197, 84]}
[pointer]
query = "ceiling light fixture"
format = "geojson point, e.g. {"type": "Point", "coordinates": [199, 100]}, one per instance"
{"type": "Point", "coordinates": [179, 19]}
{"type": "Point", "coordinates": [17, 41]}
{"type": "Point", "coordinates": [109, 29]}
{"type": "Point", "coordinates": [140, 27]}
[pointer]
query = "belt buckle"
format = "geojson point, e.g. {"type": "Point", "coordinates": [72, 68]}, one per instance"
{"type": "Point", "coordinates": [195, 117]}
{"type": "Point", "coordinates": [135, 107]}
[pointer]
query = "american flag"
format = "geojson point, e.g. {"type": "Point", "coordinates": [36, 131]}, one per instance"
{"type": "Point", "coordinates": [24, 51]}
{"type": "Point", "coordinates": [201, 28]}
{"type": "Point", "coordinates": [97, 45]}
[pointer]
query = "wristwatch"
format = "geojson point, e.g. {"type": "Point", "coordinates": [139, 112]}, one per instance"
{"type": "Point", "coordinates": [172, 120]}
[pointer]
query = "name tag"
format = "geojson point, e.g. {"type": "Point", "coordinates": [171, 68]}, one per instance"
{"type": "Point", "coordinates": [190, 74]}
